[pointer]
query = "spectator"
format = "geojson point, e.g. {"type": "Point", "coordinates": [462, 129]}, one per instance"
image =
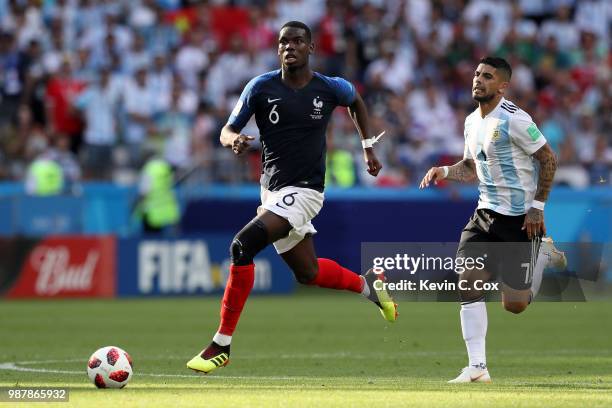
{"type": "Point", "coordinates": [139, 109]}
{"type": "Point", "coordinates": [487, 21]}
{"type": "Point", "coordinates": [84, 68]}
{"type": "Point", "coordinates": [561, 28]}
{"type": "Point", "coordinates": [28, 24]}
{"type": "Point", "coordinates": [11, 78]}
{"type": "Point", "coordinates": [160, 83]}
{"type": "Point", "coordinates": [433, 118]}
{"type": "Point", "coordinates": [368, 33]}
{"type": "Point", "coordinates": [161, 36]}
{"type": "Point", "coordinates": [203, 138]}
{"type": "Point", "coordinates": [335, 37]}
{"type": "Point", "coordinates": [35, 77]}
{"type": "Point", "coordinates": [594, 15]}
{"type": "Point", "coordinates": [137, 56]}
{"type": "Point", "coordinates": [258, 35]}
{"type": "Point", "coordinates": [143, 16]}
{"type": "Point", "coordinates": [62, 90]}
{"type": "Point", "coordinates": [461, 48]}
{"type": "Point", "coordinates": [393, 68]}
{"type": "Point", "coordinates": [230, 70]}
{"type": "Point", "coordinates": [99, 104]}
{"type": "Point", "coordinates": [174, 127]}
{"type": "Point", "coordinates": [587, 140]}
{"type": "Point", "coordinates": [191, 58]}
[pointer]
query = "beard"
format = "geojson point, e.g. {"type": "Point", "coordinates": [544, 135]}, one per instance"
{"type": "Point", "coordinates": [483, 98]}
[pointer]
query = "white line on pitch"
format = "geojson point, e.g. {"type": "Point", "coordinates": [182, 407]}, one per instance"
{"type": "Point", "coordinates": [15, 367]}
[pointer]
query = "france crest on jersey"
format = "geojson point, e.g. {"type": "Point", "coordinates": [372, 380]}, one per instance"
{"type": "Point", "coordinates": [501, 145]}
{"type": "Point", "coordinates": [292, 124]}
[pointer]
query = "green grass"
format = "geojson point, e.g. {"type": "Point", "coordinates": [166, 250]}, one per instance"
{"type": "Point", "coordinates": [327, 349]}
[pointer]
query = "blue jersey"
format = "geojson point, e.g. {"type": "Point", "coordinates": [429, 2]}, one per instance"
{"type": "Point", "coordinates": [292, 125]}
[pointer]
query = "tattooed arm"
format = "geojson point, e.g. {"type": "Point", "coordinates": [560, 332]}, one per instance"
{"type": "Point", "coordinates": [463, 171]}
{"type": "Point", "coordinates": [534, 220]}
{"type": "Point", "coordinates": [548, 166]}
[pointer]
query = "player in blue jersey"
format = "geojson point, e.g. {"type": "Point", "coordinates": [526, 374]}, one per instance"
{"type": "Point", "coordinates": [510, 157]}
{"type": "Point", "coordinates": [292, 107]}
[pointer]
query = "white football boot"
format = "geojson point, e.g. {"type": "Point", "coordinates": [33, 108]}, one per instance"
{"type": "Point", "coordinates": [472, 374]}
{"type": "Point", "coordinates": [556, 258]}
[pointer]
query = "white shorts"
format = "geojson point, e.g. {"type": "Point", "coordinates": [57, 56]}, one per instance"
{"type": "Point", "coordinates": [298, 206]}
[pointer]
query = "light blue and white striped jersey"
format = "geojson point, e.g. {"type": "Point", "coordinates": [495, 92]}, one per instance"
{"type": "Point", "coordinates": [501, 145]}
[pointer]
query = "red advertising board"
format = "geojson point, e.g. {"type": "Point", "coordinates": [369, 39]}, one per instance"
{"type": "Point", "coordinates": [68, 266]}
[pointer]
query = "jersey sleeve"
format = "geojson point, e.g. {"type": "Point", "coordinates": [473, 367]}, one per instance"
{"type": "Point", "coordinates": [344, 90]}
{"type": "Point", "coordinates": [525, 134]}
{"type": "Point", "coordinates": [466, 148]}
{"type": "Point", "coordinates": [244, 108]}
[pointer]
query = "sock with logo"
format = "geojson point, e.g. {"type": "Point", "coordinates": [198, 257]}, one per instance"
{"type": "Point", "coordinates": [474, 328]}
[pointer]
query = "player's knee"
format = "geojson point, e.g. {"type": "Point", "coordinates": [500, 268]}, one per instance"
{"type": "Point", "coordinates": [515, 307]}
{"type": "Point", "coordinates": [248, 242]}
{"type": "Point", "coordinates": [239, 254]}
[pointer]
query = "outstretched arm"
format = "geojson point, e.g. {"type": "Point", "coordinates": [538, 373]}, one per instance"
{"type": "Point", "coordinates": [463, 171]}
{"type": "Point", "coordinates": [534, 220]}
{"type": "Point", "coordinates": [237, 141]}
{"type": "Point", "coordinates": [359, 114]}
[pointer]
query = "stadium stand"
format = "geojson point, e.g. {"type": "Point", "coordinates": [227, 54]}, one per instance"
{"type": "Point", "coordinates": [121, 79]}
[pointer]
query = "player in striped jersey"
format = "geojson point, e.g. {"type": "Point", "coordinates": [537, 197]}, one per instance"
{"type": "Point", "coordinates": [515, 166]}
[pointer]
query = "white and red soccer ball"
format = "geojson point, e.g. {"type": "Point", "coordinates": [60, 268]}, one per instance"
{"type": "Point", "coordinates": [110, 367]}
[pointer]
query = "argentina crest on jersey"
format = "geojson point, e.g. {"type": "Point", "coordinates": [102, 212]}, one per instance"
{"type": "Point", "coordinates": [496, 134]}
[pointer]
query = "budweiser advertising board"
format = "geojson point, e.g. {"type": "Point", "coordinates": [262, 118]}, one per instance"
{"type": "Point", "coordinates": [66, 266]}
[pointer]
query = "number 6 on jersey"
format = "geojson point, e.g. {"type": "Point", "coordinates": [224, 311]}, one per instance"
{"type": "Point", "coordinates": [274, 118]}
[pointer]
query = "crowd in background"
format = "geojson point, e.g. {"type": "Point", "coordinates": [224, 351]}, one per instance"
{"type": "Point", "coordinates": [101, 85]}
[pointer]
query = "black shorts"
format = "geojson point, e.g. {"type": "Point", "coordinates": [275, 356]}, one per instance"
{"type": "Point", "coordinates": [508, 253]}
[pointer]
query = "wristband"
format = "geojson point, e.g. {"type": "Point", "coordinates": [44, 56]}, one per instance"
{"type": "Point", "coordinates": [368, 143]}
{"type": "Point", "coordinates": [537, 205]}
{"type": "Point", "coordinates": [445, 169]}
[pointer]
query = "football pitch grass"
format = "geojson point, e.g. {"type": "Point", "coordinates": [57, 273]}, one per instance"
{"type": "Point", "coordinates": [320, 349]}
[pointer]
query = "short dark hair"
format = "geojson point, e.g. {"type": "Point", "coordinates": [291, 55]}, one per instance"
{"type": "Point", "coordinates": [500, 64]}
{"type": "Point", "coordinates": [299, 24]}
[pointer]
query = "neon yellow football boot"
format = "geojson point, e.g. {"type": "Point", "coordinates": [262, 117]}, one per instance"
{"type": "Point", "coordinates": [211, 358]}
{"type": "Point", "coordinates": [380, 296]}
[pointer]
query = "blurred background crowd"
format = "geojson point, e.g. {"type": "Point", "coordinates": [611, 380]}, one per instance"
{"type": "Point", "coordinates": [99, 86]}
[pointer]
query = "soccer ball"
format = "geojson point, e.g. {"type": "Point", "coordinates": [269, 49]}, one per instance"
{"type": "Point", "coordinates": [110, 367]}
